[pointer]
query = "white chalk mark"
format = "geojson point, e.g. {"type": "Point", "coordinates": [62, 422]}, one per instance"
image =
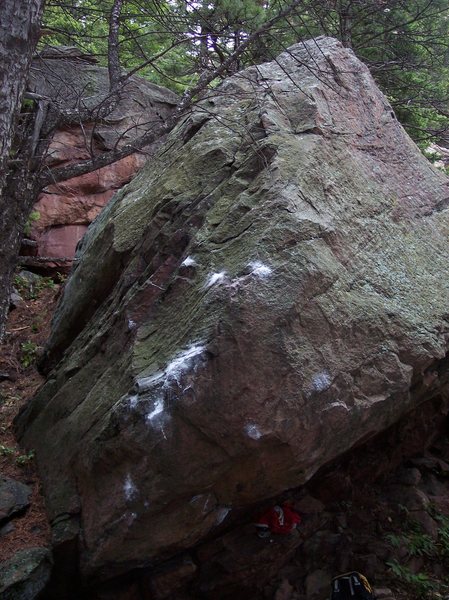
{"type": "Point", "coordinates": [260, 270]}
{"type": "Point", "coordinates": [221, 514]}
{"type": "Point", "coordinates": [202, 501]}
{"type": "Point", "coordinates": [158, 409]}
{"type": "Point", "coordinates": [155, 387]}
{"type": "Point", "coordinates": [337, 404]}
{"type": "Point", "coordinates": [173, 371]}
{"type": "Point", "coordinates": [253, 431]}
{"type": "Point", "coordinates": [189, 261]}
{"type": "Point", "coordinates": [182, 362]}
{"type": "Point", "coordinates": [129, 488]}
{"type": "Point", "coordinates": [215, 278]}
{"type": "Point", "coordinates": [133, 401]}
{"type": "Point", "coordinates": [321, 381]}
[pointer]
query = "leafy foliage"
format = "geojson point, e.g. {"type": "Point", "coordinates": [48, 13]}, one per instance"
{"type": "Point", "coordinates": [28, 353]}
{"type": "Point", "coordinates": [32, 288]}
{"type": "Point", "coordinates": [32, 218]}
{"type": "Point", "coordinates": [419, 583]}
{"type": "Point", "coordinates": [6, 450]}
{"type": "Point", "coordinates": [23, 460]}
{"type": "Point", "coordinates": [419, 544]}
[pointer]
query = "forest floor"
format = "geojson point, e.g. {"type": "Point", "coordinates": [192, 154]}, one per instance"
{"type": "Point", "coordinates": [27, 329]}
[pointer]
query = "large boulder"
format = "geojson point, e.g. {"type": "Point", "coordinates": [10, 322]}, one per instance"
{"type": "Point", "coordinates": [73, 81]}
{"type": "Point", "coordinates": [266, 295]}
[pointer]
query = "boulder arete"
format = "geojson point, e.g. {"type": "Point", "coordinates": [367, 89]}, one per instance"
{"type": "Point", "coordinates": [270, 291]}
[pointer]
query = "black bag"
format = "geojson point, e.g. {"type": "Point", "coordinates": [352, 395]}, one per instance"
{"type": "Point", "coordinates": [351, 586]}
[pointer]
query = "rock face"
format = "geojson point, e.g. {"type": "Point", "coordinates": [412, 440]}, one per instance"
{"type": "Point", "coordinates": [25, 575]}
{"type": "Point", "coordinates": [65, 210]}
{"type": "Point", "coordinates": [268, 294]}
{"type": "Point", "coordinates": [14, 498]}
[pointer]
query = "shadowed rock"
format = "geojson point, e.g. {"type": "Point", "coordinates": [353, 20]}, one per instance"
{"type": "Point", "coordinates": [26, 574]}
{"type": "Point", "coordinates": [14, 498]}
{"type": "Point", "coordinates": [268, 293]}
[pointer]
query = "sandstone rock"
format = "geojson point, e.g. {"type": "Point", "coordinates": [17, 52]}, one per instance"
{"type": "Point", "coordinates": [258, 302]}
{"type": "Point", "coordinates": [25, 575]}
{"type": "Point", "coordinates": [66, 209]}
{"type": "Point", "coordinates": [14, 497]}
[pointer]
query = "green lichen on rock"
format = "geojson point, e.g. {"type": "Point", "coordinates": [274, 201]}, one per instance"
{"type": "Point", "coordinates": [267, 292]}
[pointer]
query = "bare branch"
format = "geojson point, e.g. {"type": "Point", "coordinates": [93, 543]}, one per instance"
{"type": "Point", "coordinates": [107, 158]}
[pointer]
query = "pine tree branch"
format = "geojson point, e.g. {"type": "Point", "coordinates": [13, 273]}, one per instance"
{"type": "Point", "coordinates": [50, 176]}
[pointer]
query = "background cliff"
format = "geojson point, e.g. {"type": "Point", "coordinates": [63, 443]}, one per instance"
{"type": "Point", "coordinates": [64, 210]}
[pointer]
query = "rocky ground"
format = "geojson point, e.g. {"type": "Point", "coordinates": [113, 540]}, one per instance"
{"type": "Point", "coordinates": [395, 529]}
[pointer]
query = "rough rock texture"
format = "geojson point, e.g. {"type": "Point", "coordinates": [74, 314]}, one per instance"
{"type": "Point", "coordinates": [268, 295]}
{"type": "Point", "coordinates": [66, 209]}
{"type": "Point", "coordinates": [25, 575]}
{"type": "Point", "coordinates": [14, 498]}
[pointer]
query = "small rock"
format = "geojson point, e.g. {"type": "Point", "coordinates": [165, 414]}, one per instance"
{"type": "Point", "coordinates": [25, 575]}
{"type": "Point", "coordinates": [383, 593]}
{"type": "Point", "coordinates": [14, 497]}
{"type": "Point", "coordinates": [428, 525]}
{"type": "Point", "coordinates": [317, 583]}
{"type": "Point", "coordinates": [29, 276]}
{"type": "Point", "coordinates": [432, 486]}
{"type": "Point", "coordinates": [429, 463]}
{"type": "Point", "coordinates": [16, 301]}
{"type": "Point", "coordinates": [6, 529]}
{"type": "Point", "coordinates": [441, 504]}
{"type": "Point", "coordinates": [415, 564]}
{"type": "Point", "coordinates": [369, 565]}
{"type": "Point", "coordinates": [409, 497]}
{"type": "Point", "coordinates": [284, 591]}
{"type": "Point", "coordinates": [411, 476]}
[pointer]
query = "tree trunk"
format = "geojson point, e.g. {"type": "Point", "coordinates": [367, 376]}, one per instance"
{"type": "Point", "coordinates": [345, 16]}
{"type": "Point", "coordinates": [19, 33]}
